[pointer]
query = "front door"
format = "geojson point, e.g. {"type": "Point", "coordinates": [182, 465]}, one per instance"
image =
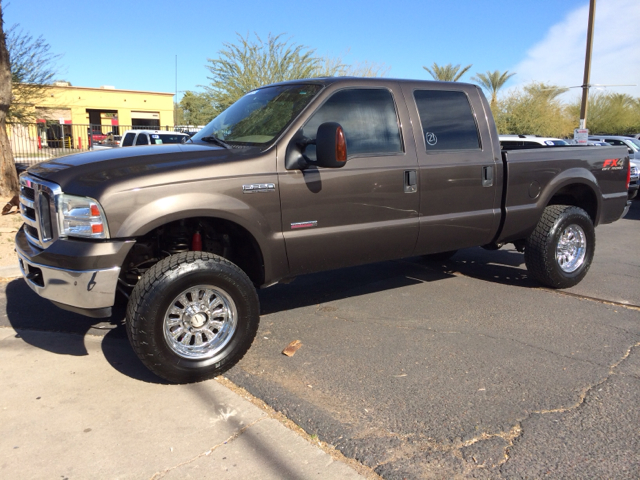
{"type": "Point", "coordinates": [365, 211]}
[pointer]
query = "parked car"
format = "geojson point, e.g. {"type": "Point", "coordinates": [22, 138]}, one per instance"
{"type": "Point", "coordinates": [97, 137]}
{"type": "Point", "coordinates": [515, 142]}
{"type": "Point", "coordinates": [112, 140]}
{"type": "Point", "coordinates": [634, 179]}
{"type": "Point", "coordinates": [632, 144]}
{"type": "Point", "coordinates": [132, 138]}
{"type": "Point", "coordinates": [290, 180]}
{"type": "Point", "coordinates": [590, 143]}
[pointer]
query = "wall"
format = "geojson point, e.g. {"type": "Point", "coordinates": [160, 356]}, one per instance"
{"type": "Point", "coordinates": [79, 99]}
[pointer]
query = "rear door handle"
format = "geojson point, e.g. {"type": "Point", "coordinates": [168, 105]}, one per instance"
{"type": "Point", "coordinates": [487, 176]}
{"type": "Point", "coordinates": [410, 181]}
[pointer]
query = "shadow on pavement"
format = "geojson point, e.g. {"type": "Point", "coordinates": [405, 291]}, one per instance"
{"type": "Point", "coordinates": [499, 266]}
{"type": "Point", "coordinates": [634, 211]}
{"type": "Point", "coordinates": [505, 266]}
{"type": "Point", "coordinates": [28, 314]}
{"type": "Point", "coordinates": [333, 285]}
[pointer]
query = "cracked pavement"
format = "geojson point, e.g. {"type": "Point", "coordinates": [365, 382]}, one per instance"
{"type": "Point", "coordinates": [468, 369]}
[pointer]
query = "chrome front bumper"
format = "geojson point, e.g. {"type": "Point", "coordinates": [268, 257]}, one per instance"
{"type": "Point", "coordinates": [80, 291]}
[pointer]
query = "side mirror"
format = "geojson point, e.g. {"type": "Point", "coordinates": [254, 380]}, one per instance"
{"type": "Point", "coordinates": [331, 146]}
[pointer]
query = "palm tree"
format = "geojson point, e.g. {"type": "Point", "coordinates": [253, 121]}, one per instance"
{"type": "Point", "coordinates": [493, 82]}
{"type": "Point", "coordinates": [448, 73]}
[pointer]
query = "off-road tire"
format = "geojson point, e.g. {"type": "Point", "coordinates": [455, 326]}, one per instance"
{"type": "Point", "coordinates": [540, 252]}
{"type": "Point", "coordinates": [155, 294]}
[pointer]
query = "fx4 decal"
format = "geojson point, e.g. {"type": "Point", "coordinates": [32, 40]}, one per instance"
{"type": "Point", "coordinates": [613, 164]}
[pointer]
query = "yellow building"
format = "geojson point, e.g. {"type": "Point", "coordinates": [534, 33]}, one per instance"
{"type": "Point", "coordinates": [107, 106]}
{"type": "Point", "coordinates": [71, 119]}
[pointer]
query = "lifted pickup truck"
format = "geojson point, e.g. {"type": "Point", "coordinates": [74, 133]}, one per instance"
{"type": "Point", "coordinates": [294, 178]}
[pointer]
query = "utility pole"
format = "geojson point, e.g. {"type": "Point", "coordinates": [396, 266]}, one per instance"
{"type": "Point", "coordinates": [175, 102]}
{"type": "Point", "coordinates": [587, 65]}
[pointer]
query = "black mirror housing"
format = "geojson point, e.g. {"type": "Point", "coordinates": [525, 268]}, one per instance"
{"type": "Point", "coordinates": [331, 146]}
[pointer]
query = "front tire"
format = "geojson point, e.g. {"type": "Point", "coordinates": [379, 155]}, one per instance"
{"type": "Point", "coordinates": [192, 316]}
{"type": "Point", "coordinates": [560, 250]}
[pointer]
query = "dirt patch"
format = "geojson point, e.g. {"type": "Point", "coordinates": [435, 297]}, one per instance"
{"type": "Point", "coordinates": [9, 225]}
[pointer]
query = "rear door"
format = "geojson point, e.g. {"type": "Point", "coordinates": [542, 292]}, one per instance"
{"type": "Point", "coordinates": [459, 173]}
{"type": "Point", "coordinates": [367, 210]}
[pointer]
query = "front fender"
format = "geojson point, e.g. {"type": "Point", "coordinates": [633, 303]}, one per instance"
{"type": "Point", "coordinates": [259, 215]}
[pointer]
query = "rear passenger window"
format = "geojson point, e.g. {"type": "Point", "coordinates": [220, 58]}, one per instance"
{"type": "Point", "coordinates": [447, 120]}
{"type": "Point", "coordinates": [369, 120]}
{"type": "Point", "coordinates": [142, 139]}
{"type": "Point", "coordinates": [127, 141]}
{"type": "Point", "coordinates": [163, 138]}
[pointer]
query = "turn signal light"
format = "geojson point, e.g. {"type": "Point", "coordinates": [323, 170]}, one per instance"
{"type": "Point", "coordinates": [341, 146]}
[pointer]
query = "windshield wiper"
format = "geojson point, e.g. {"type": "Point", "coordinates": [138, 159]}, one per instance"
{"type": "Point", "coordinates": [216, 140]}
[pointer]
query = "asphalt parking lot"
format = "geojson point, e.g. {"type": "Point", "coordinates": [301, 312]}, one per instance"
{"type": "Point", "coordinates": [420, 369]}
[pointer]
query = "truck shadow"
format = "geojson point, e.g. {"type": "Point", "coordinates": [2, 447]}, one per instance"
{"type": "Point", "coordinates": [502, 266]}
{"type": "Point", "coordinates": [30, 315]}
{"type": "Point", "coordinates": [634, 211]}
{"type": "Point", "coordinates": [505, 266]}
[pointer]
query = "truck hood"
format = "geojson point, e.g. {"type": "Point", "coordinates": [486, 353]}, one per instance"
{"type": "Point", "coordinates": [91, 170]}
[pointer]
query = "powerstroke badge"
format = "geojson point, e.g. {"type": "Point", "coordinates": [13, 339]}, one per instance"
{"type": "Point", "coordinates": [259, 188]}
{"type": "Point", "coordinates": [312, 223]}
{"type": "Point", "coordinates": [613, 164]}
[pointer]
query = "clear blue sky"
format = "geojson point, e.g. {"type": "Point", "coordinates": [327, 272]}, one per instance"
{"type": "Point", "coordinates": [133, 45]}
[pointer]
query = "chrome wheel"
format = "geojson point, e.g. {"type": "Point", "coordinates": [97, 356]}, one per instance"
{"type": "Point", "coordinates": [200, 322]}
{"type": "Point", "coordinates": [571, 249]}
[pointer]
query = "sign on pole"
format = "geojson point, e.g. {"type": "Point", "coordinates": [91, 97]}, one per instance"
{"type": "Point", "coordinates": [581, 135]}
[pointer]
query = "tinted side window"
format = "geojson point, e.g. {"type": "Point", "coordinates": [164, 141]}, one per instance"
{"type": "Point", "coordinates": [142, 139]}
{"type": "Point", "coordinates": [368, 117]}
{"type": "Point", "coordinates": [168, 138]}
{"type": "Point", "coordinates": [128, 139]}
{"type": "Point", "coordinates": [447, 120]}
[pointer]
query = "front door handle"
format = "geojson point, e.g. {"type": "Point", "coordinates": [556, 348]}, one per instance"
{"type": "Point", "coordinates": [487, 176]}
{"type": "Point", "coordinates": [410, 181]}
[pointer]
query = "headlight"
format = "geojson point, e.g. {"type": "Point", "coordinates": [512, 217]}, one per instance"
{"type": "Point", "coordinates": [81, 217]}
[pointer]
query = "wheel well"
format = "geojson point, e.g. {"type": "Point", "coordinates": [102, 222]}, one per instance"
{"type": "Point", "coordinates": [578, 195]}
{"type": "Point", "coordinates": [218, 236]}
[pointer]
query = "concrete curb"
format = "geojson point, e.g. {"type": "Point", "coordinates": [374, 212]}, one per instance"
{"type": "Point", "coordinates": [10, 271]}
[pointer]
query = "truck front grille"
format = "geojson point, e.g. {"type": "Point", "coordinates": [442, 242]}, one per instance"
{"type": "Point", "coordinates": [38, 210]}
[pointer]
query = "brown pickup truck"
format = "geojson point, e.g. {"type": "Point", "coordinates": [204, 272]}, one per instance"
{"type": "Point", "coordinates": [294, 178]}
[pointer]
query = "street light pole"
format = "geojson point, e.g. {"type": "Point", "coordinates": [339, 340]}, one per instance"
{"type": "Point", "coordinates": [175, 102]}
{"type": "Point", "coordinates": [587, 65]}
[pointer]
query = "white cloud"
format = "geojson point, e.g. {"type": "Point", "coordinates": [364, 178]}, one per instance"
{"type": "Point", "coordinates": [559, 58]}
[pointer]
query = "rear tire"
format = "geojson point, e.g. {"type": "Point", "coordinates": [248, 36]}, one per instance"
{"type": "Point", "coordinates": [560, 250]}
{"type": "Point", "coordinates": [192, 316]}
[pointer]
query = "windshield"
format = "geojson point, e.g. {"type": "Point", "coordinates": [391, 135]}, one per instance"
{"type": "Point", "coordinates": [260, 116]}
{"type": "Point", "coordinates": [636, 143]}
